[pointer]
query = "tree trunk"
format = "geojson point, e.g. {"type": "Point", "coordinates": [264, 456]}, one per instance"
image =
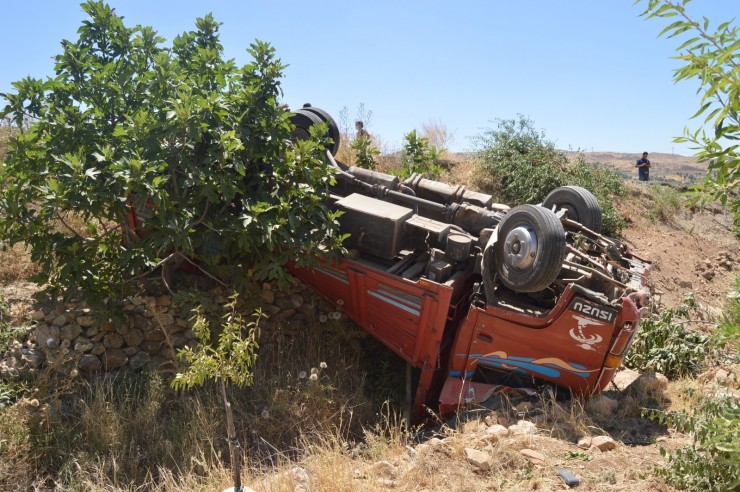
{"type": "Point", "coordinates": [234, 447]}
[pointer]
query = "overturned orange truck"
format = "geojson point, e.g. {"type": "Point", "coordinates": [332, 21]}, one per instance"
{"type": "Point", "coordinates": [475, 295]}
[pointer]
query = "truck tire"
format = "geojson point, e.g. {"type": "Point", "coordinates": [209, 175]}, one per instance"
{"type": "Point", "coordinates": [333, 128]}
{"type": "Point", "coordinates": [530, 249]}
{"type": "Point", "coordinates": [580, 203]}
{"type": "Point", "coordinates": [303, 121]}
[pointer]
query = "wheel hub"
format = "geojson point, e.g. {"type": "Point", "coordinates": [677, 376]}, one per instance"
{"type": "Point", "coordinates": [520, 247]}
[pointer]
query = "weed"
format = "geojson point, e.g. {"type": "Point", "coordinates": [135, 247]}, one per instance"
{"type": "Point", "coordinates": [578, 455]}
{"type": "Point", "coordinates": [666, 201]}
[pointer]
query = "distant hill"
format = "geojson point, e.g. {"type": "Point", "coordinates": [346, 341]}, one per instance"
{"type": "Point", "coordinates": [668, 167]}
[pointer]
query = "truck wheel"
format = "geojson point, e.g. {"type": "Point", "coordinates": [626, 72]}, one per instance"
{"type": "Point", "coordinates": [333, 128]}
{"type": "Point", "coordinates": [303, 121]}
{"type": "Point", "coordinates": [530, 248]}
{"type": "Point", "coordinates": [580, 203]}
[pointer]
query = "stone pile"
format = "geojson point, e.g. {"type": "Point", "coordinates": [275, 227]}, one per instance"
{"type": "Point", "coordinates": [709, 268]}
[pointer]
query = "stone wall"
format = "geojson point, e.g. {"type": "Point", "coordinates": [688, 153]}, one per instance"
{"type": "Point", "coordinates": [148, 336]}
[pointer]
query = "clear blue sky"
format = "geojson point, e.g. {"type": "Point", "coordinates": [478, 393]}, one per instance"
{"type": "Point", "coordinates": [591, 74]}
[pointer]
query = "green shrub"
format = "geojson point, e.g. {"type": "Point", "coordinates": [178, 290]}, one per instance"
{"type": "Point", "coordinates": [204, 142]}
{"type": "Point", "coordinates": [710, 461]}
{"type": "Point", "coordinates": [366, 153]}
{"type": "Point", "coordinates": [518, 165]}
{"type": "Point", "coordinates": [420, 157]}
{"type": "Point", "coordinates": [667, 346]}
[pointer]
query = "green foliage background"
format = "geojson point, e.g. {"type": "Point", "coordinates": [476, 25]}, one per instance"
{"type": "Point", "coordinates": [517, 164]}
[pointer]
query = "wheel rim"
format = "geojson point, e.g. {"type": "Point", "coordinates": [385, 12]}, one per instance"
{"type": "Point", "coordinates": [520, 247]}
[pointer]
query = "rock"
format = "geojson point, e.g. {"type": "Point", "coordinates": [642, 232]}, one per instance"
{"type": "Point", "coordinates": [92, 331]}
{"type": "Point", "coordinates": [297, 300]}
{"type": "Point", "coordinates": [585, 442]}
{"type": "Point", "coordinates": [604, 443]}
{"type": "Point", "coordinates": [60, 320]}
{"type": "Point", "coordinates": [524, 407]}
{"type": "Point", "coordinates": [36, 316]}
{"type": "Point", "coordinates": [649, 382]}
{"type": "Point", "coordinates": [154, 335]}
{"type": "Point", "coordinates": [70, 331]}
{"type": "Point", "coordinates": [166, 319]}
{"type": "Point", "coordinates": [98, 348]}
{"type": "Point", "coordinates": [285, 314]}
{"type": "Point", "coordinates": [43, 333]}
{"type": "Point", "coordinates": [479, 459]}
{"type": "Point", "coordinates": [522, 428]}
{"type": "Point", "coordinates": [33, 357]}
{"type": "Point", "coordinates": [85, 321]}
{"type": "Point", "coordinates": [113, 341]}
{"type": "Point", "coordinates": [284, 303]}
{"type": "Point", "coordinates": [89, 363]}
{"type": "Point", "coordinates": [107, 327]}
{"type": "Point", "coordinates": [151, 346]}
{"type": "Point", "coordinates": [297, 478]}
{"type": "Point", "coordinates": [602, 405]}
{"type": "Point", "coordinates": [114, 358]}
{"type": "Point", "coordinates": [52, 343]}
{"type": "Point", "coordinates": [133, 337]}
{"type": "Point", "coordinates": [384, 468]}
{"type": "Point", "coordinates": [150, 302]}
{"type": "Point", "coordinates": [129, 351]}
{"type": "Point", "coordinates": [139, 360]}
{"type": "Point", "coordinates": [534, 455]}
{"type": "Point", "coordinates": [625, 378]}
{"type": "Point", "coordinates": [685, 284]}
{"type": "Point", "coordinates": [83, 344]}
{"type": "Point", "coordinates": [268, 296]}
{"type": "Point", "coordinates": [179, 339]}
{"type": "Point", "coordinates": [164, 301]}
{"type": "Point", "coordinates": [497, 431]}
{"type": "Point", "coordinates": [243, 489]}
{"type": "Point", "coordinates": [142, 323]}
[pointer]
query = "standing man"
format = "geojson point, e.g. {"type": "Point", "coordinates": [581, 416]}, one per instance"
{"type": "Point", "coordinates": [643, 167]}
{"type": "Point", "coordinates": [361, 132]}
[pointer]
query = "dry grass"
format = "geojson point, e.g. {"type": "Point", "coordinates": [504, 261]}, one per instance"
{"type": "Point", "coordinates": [16, 264]}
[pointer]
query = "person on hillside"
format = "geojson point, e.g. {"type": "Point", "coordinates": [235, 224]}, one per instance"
{"type": "Point", "coordinates": [361, 132]}
{"type": "Point", "coordinates": [643, 167]}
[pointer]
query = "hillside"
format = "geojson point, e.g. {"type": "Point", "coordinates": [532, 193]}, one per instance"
{"type": "Point", "coordinates": [672, 167]}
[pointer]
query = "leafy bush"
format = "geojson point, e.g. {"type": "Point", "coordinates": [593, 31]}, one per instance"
{"type": "Point", "coordinates": [420, 157]}
{"type": "Point", "coordinates": [710, 461]}
{"type": "Point", "coordinates": [366, 153]}
{"type": "Point", "coordinates": [201, 144]}
{"type": "Point", "coordinates": [666, 345]}
{"type": "Point", "coordinates": [518, 165]}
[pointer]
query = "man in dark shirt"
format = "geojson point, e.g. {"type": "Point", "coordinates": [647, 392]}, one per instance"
{"type": "Point", "coordinates": [643, 167]}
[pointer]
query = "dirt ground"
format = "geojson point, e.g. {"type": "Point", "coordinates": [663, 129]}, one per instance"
{"type": "Point", "coordinates": [694, 252]}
